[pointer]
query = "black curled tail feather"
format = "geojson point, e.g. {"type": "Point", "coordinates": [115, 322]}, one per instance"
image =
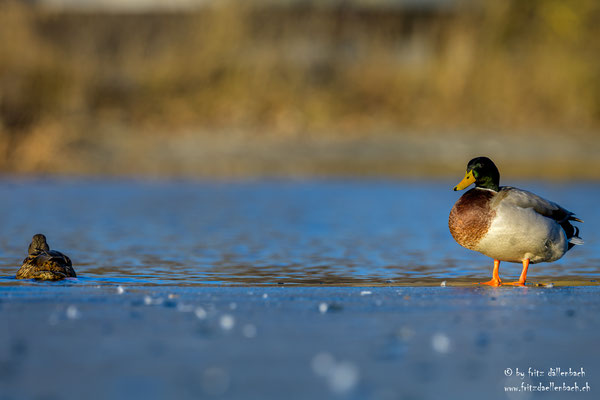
{"type": "Point", "coordinates": [572, 232]}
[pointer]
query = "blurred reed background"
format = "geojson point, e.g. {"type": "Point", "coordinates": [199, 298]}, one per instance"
{"type": "Point", "coordinates": [300, 88]}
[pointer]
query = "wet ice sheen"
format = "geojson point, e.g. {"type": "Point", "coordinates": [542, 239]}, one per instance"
{"type": "Point", "coordinates": [129, 233]}
{"type": "Point", "coordinates": [437, 341]}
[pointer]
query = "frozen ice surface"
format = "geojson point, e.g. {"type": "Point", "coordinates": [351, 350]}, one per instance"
{"type": "Point", "coordinates": [427, 343]}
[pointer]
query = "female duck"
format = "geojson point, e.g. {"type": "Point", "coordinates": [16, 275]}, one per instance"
{"type": "Point", "coordinates": [45, 264]}
{"type": "Point", "coordinates": [509, 224]}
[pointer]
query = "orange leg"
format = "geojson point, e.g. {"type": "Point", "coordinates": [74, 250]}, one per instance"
{"type": "Point", "coordinates": [495, 277]}
{"type": "Point", "coordinates": [521, 281]}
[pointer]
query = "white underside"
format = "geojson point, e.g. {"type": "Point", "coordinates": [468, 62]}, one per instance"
{"type": "Point", "coordinates": [519, 233]}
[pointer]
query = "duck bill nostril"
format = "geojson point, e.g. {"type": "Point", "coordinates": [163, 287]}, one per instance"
{"type": "Point", "coordinates": [467, 180]}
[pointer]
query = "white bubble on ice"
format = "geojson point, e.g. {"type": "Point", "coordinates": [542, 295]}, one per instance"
{"type": "Point", "coordinates": [149, 301]}
{"type": "Point", "coordinates": [322, 364]}
{"type": "Point", "coordinates": [440, 343]}
{"type": "Point", "coordinates": [343, 377]}
{"type": "Point", "coordinates": [227, 322]}
{"type": "Point", "coordinates": [249, 331]}
{"type": "Point", "coordinates": [323, 307]}
{"type": "Point", "coordinates": [264, 296]}
{"type": "Point", "coordinates": [443, 284]}
{"type": "Point", "coordinates": [365, 292]}
{"type": "Point", "coordinates": [120, 289]}
{"type": "Point", "coordinates": [200, 312]}
{"type": "Point", "coordinates": [73, 312]}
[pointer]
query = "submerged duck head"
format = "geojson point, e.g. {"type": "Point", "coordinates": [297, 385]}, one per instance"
{"type": "Point", "coordinates": [483, 172]}
{"type": "Point", "coordinates": [38, 243]}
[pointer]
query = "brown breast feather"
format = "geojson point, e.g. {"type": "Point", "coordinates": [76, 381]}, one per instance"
{"type": "Point", "coordinates": [471, 217]}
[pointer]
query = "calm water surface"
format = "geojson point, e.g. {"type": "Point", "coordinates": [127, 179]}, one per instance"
{"type": "Point", "coordinates": [266, 232]}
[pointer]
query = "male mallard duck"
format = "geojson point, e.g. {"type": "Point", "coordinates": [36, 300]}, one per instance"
{"type": "Point", "coordinates": [509, 224]}
{"type": "Point", "coordinates": [45, 264]}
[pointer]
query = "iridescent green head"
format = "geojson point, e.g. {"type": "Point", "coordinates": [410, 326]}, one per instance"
{"type": "Point", "coordinates": [483, 172]}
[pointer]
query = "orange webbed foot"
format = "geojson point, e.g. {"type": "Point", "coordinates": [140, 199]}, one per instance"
{"type": "Point", "coordinates": [493, 282]}
{"type": "Point", "coordinates": [521, 281]}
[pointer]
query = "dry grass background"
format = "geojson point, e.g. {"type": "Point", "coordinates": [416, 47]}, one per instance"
{"type": "Point", "coordinates": [244, 89]}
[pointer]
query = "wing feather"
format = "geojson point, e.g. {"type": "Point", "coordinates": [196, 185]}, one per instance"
{"type": "Point", "coordinates": [524, 199]}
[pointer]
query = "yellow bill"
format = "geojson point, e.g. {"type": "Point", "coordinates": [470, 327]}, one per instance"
{"type": "Point", "coordinates": [467, 180]}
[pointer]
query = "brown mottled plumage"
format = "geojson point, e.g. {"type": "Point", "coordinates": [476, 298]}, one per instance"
{"type": "Point", "coordinates": [471, 217]}
{"type": "Point", "coordinates": [45, 264]}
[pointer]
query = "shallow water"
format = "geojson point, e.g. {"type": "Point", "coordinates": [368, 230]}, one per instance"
{"type": "Point", "coordinates": [267, 232]}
